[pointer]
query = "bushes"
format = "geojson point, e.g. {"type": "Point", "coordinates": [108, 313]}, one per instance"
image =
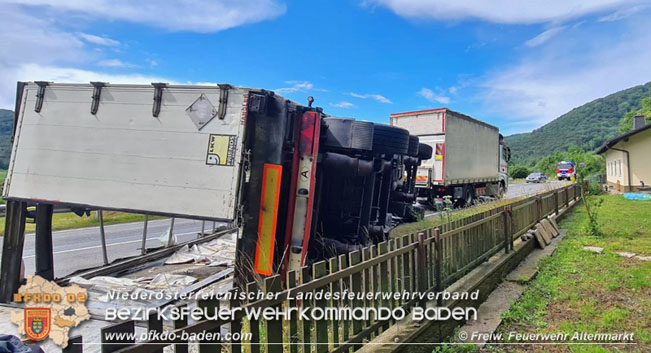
{"type": "Point", "coordinates": [519, 171]}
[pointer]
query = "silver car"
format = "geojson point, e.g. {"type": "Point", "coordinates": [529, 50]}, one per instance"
{"type": "Point", "coordinates": [536, 177]}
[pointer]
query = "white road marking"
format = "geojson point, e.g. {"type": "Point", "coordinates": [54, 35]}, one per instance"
{"type": "Point", "coordinates": [107, 245]}
{"type": "Point", "coordinates": [139, 224]}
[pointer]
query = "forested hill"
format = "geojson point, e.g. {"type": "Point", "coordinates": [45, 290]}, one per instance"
{"type": "Point", "coordinates": [587, 126]}
{"type": "Point", "coordinates": [6, 130]}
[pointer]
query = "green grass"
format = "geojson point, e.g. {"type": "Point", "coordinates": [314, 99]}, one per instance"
{"type": "Point", "coordinates": [3, 176]}
{"type": "Point", "coordinates": [61, 221]}
{"type": "Point", "coordinates": [576, 290]}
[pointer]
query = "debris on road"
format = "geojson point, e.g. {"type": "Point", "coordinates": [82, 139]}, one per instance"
{"type": "Point", "coordinates": [219, 252]}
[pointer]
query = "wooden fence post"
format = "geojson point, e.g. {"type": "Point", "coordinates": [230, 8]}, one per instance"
{"type": "Point", "coordinates": [510, 228]}
{"type": "Point", "coordinates": [556, 202]}
{"type": "Point", "coordinates": [236, 326]}
{"type": "Point", "coordinates": [538, 208]}
{"type": "Point", "coordinates": [421, 269]}
{"type": "Point", "coordinates": [275, 327]}
{"type": "Point", "coordinates": [254, 324]}
{"type": "Point", "coordinates": [437, 268]}
{"type": "Point", "coordinates": [505, 221]}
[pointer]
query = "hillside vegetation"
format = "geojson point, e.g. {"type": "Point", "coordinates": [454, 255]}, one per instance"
{"type": "Point", "coordinates": [587, 126]}
{"type": "Point", "coordinates": [6, 130]}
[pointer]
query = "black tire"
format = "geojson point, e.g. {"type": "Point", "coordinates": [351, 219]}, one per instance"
{"type": "Point", "coordinates": [501, 190]}
{"type": "Point", "coordinates": [413, 146]}
{"type": "Point", "coordinates": [389, 139]}
{"type": "Point", "coordinates": [467, 197]}
{"type": "Point", "coordinates": [424, 151]}
{"type": "Point", "coordinates": [348, 134]}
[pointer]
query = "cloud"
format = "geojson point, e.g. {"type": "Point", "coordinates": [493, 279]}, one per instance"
{"type": "Point", "coordinates": [570, 72]}
{"type": "Point", "coordinates": [499, 11]}
{"type": "Point", "coordinates": [180, 15]}
{"type": "Point", "coordinates": [433, 97]}
{"type": "Point", "coordinates": [90, 38]}
{"type": "Point", "coordinates": [33, 72]}
{"type": "Point", "coordinates": [30, 29]}
{"type": "Point", "coordinates": [296, 86]}
{"type": "Point", "coordinates": [623, 13]}
{"type": "Point", "coordinates": [377, 97]}
{"type": "Point", "coordinates": [114, 63]}
{"type": "Point", "coordinates": [544, 36]}
{"type": "Point", "coordinates": [344, 105]}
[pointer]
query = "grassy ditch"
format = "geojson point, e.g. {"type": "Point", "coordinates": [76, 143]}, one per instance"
{"type": "Point", "coordinates": [580, 291]}
{"type": "Point", "coordinates": [61, 221]}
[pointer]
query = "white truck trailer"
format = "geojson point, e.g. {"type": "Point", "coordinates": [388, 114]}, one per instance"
{"type": "Point", "coordinates": [469, 156]}
{"type": "Point", "coordinates": [276, 169]}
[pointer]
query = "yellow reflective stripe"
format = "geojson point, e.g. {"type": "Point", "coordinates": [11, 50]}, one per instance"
{"type": "Point", "coordinates": [271, 177]}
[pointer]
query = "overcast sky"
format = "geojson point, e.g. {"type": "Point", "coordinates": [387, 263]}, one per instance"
{"type": "Point", "coordinates": [516, 64]}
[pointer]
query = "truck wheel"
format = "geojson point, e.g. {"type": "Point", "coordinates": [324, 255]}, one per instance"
{"type": "Point", "coordinates": [390, 139]}
{"type": "Point", "coordinates": [424, 151]}
{"type": "Point", "coordinates": [501, 191]}
{"type": "Point", "coordinates": [413, 146]}
{"type": "Point", "coordinates": [468, 197]}
{"type": "Point", "coordinates": [347, 134]}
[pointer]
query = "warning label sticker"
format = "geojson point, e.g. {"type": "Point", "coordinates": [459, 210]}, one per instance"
{"type": "Point", "coordinates": [221, 150]}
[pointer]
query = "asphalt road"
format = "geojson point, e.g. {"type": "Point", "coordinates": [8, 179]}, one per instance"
{"type": "Point", "coordinates": [76, 249]}
{"type": "Point", "coordinates": [517, 190]}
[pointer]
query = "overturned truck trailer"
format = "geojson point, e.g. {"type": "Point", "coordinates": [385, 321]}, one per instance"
{"type": "Point", "coordinates": [299, 185]}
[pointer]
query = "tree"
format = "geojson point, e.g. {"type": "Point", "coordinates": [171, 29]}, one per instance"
{"type": "Point", "coordinates": [594, 164]}
{"type": "Point", "coordinates": [626, 123]}
{"type": "Point", "coordinates": [519, 171]}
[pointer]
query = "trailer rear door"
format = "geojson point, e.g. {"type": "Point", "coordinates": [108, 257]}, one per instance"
{"type": "Point", "coordinates": [111, 148]}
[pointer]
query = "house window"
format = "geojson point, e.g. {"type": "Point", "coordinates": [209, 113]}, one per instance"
{"type": "Point", "coordinates": [619, 163]}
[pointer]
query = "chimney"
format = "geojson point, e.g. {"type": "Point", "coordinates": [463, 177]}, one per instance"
{"type": "Point", "coordinates": [638, 121]}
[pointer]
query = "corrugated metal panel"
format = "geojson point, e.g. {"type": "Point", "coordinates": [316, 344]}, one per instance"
{"type": "Point", "coordinates": [471, 147]}
{"type": "Point", "coordinates": [123, 157]}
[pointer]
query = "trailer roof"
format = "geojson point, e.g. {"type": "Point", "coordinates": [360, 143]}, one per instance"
{"type": "Point", "coordinates": [461, 115]}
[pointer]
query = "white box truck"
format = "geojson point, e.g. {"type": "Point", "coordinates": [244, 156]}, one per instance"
{"type": "Point", "coordinates": [469, 156]}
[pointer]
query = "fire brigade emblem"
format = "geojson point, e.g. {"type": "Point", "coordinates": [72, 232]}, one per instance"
{"type": "Point", "coordinates": [37, 323]}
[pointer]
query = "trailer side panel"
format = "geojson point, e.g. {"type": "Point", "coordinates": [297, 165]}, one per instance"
{"type": "Point", "coordinates": [124, 157]}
